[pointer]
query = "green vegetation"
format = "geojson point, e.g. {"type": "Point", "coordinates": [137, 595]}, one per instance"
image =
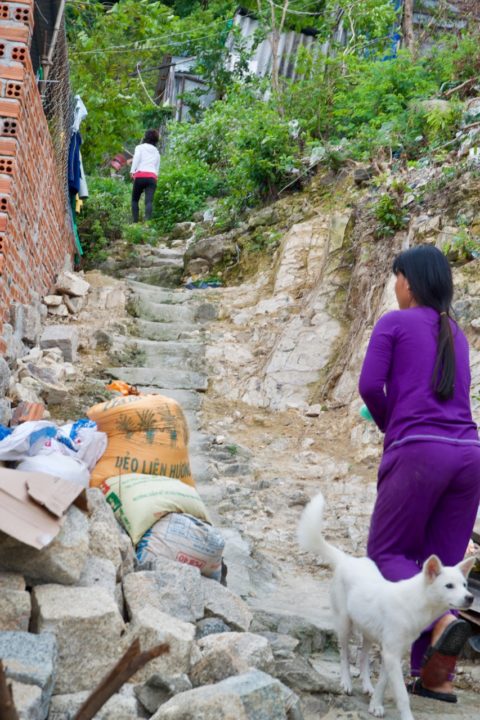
{"type": "Point", "coordinates": [103, 217]}
{"type": "Point", "coordinates": [357, 103]}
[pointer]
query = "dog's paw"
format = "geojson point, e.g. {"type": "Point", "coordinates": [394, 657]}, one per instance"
{"type": "Point", "coordinates": [346, 686]}
{"type": "Point", "coordinates": [376, 710]}
{"type": "Point", "coordinates": [367, 687]}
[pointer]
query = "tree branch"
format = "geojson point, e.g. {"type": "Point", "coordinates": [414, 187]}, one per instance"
{"type": "Point", "coordinates": [7, 706]}
{"type": "Point", "coordinates": [128, 665]}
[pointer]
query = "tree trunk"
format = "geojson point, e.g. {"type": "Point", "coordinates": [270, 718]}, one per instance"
{"type": "Point", "coordinates": [407, 24]}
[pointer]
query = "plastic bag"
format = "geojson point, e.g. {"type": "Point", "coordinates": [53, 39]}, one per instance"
{"type": "Point", "coordinates": [26, 439]}
{"type": "Point", "coordinates": [54, 462]}
{"type": "Point", "coordinates": [186, 539]}
{"type": "Point", "coordinates": [85, 440]}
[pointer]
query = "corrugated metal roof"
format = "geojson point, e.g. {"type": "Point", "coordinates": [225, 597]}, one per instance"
{"type": "Point", "coordinates": [260, 63]}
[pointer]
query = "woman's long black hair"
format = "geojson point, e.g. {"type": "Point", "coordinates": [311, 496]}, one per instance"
{"type": "Point", "coordinates": [430, 278]}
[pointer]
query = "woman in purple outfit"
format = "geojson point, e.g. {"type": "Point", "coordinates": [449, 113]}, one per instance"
{"type": "Point", "coordinates": [415, 382]}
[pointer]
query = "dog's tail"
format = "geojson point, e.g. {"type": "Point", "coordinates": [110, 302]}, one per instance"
{"type": "Point", "coordinates": [309, 532]}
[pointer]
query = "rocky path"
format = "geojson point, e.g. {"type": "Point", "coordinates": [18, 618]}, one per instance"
{"type": "Point", "coordinates": [254, 493]}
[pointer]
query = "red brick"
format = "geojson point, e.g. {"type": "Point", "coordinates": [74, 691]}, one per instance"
{"type": "Point", "coordinates": [5, 184]}
{"type": "Point", "coordinates": [9, 108]}
{"type": "Point", "coordinates": [12, 71]}
{"type": "Point", "coordinates": [8, 146]}
{"type": "Point", "coordinates": [13, 31]}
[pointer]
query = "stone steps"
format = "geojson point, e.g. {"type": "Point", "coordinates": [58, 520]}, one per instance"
{"type": "Point", "coordinates": [160, 377]}
{"type": "Point", "coordinates": [151, 330]}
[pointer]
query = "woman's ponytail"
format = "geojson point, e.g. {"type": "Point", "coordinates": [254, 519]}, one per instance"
{"type": "Point", "coordinates": [443, 378]}
{"type": "Point", "coordinates": [430, 279]}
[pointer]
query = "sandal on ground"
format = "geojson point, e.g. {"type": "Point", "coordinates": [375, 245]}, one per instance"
{"type": "Point", "coordinates": [439, 662]}
{"type": "Point", "coordinates": [416, 688]}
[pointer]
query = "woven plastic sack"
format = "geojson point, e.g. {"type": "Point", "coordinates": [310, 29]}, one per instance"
{"type": "Point", "coordinates": [147, 434]}
{"type": "Point", "coordinates": [186, 539]}
{"type": "Point", "coordinates": [139, 501]}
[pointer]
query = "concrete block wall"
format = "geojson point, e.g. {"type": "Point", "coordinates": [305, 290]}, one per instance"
{"type": "Point", "coordinates": [36, 238]}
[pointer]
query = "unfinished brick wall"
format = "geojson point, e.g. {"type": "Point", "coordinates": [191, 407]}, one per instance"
{"type": "Point", "coordinates": [35, 228]}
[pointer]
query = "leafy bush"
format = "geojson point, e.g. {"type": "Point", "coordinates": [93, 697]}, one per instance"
{"type": "Point", "coordinates": [103, 216]}
{"type": "Point", "coordinates": [241, 150]}
{"type": "Point", "coordinates": [140, 234]}
{"type": "Point", "coordinates": [389, 212]}
{"type": "Point", "coordinates": [182, 188]}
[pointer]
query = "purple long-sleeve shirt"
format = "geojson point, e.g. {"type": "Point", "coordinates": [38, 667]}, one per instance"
{"type": "Point", "coordinates": [396, 380]}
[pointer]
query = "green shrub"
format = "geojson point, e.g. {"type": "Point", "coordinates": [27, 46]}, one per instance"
{"type": "Point", "coordinates": [103, 217]}
{"type": "Point", "coordinates": [389, 212]}
{"type": "Point", "coordinates": [140, 234]}
{"type": "Point", "coordinates": [182, 188]}
{"type": "Point", "coordinates": [242, 150]}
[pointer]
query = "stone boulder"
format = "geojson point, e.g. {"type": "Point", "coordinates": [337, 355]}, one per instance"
{"type": "Point", "coordinates": [15, 603]}
{"type": "Point", "coordinates": [251, 696]}
{"type": "Point", "coordinates": [213, 250]}
{"type": "Point", "coordinates": [60, 562]}
{"type": "Point", "coordinates": [105, 535]}
{"type": "Point", "coordinates": [221, 602]}
{"type": "Point", "coordinates": [227, 654]}
{"type": "Point", "coordinates": [211, 625]}
{"type": "Point", "coordinates": [99, 572]}
{"type": "Point", "coordinates": [30, 662]}
{"type": "Point", "coordinates": [312, 637]}
{"type": "Point", "coordinates": [88, 628]}
{"type": "Point", "coordinates": [153, 627]}
{"type": "Point", "coordinates": [69, 283]}
{"type": "Point", "coordinates": [172, 588]}
{"type": "Point", "coordinates": [28, 701]}
{"type": "Point", "coordinates": [121, 706]}
{"type": "Point", "coordinates": [157, 690]}
{"type": "Point", "coordinates": [63, 337]}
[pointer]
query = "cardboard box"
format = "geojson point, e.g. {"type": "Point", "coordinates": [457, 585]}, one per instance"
{"type": "Point", "coordinates": [32, 505]}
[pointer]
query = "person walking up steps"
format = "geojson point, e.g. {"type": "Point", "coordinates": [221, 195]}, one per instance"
{"type": "Point", "coordinates": [144, 170]}
{"type": "Point", "coordinates": [415, 382]}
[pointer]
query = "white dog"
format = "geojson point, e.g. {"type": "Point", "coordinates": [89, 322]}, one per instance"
{"type": "Point", "coordinates": [392, 614]}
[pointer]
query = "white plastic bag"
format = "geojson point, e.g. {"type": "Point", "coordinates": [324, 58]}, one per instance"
{"type": "Point", "coordinates": [26, 439]}
{"type": "Point", "coordinates": [88, 443]}
{"type": "Point", "coordinates": [58, 464]}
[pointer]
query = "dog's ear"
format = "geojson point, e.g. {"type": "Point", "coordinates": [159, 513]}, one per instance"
{"type": "Point", "coordinates": [466, 565]}
{"type": "Point", "coordinates": [432, 567]}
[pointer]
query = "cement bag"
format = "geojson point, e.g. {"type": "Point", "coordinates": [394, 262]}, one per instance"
{"type": "Point", "coordinates": [147, 434]}
{"type": "Point", "coordinates": [58, 464]}
{"type": "Point", "coordinates": [138, 501]}
{"type": "Point", "coordinates": [186, 539]}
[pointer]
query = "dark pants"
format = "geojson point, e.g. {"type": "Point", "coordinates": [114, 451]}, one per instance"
{"type": "Point", "coordinates": [428, 494]}
{"type": "Point", "coordinates": [141, 185]}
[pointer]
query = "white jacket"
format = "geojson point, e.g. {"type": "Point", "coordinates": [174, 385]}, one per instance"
{"type": "Point", "coordinates": [146, 158]}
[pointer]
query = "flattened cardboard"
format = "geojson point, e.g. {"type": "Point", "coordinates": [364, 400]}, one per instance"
{"type": "Point", "coordinates": [54, 493]}
{"type": "Point", "coordinates": [22, 495]}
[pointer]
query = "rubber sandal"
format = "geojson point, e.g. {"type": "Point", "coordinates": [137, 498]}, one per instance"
{"type": "Point", "coordinates": [439, 662]}
{"type": "Point", "coordinates": [416, 688]}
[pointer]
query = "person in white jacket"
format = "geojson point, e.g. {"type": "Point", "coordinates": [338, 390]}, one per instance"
{"type": "Point", "coordinates": [144, 170]}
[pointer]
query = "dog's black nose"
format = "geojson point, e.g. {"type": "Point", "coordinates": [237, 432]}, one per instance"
{"type": "Point", "coordinates": [469, 600]}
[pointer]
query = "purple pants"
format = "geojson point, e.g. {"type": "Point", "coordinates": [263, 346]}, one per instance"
{"type": "Point", "coordinates": [427, 501]}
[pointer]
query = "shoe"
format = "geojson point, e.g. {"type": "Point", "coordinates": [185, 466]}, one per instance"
{"type": "Point", "coordinates": [416, 688]}
{"type": "Point", "coordinates": [439, 662]}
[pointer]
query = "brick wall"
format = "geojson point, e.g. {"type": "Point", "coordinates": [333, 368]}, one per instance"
{"type": "Point", "coordinates": [35, 231]}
